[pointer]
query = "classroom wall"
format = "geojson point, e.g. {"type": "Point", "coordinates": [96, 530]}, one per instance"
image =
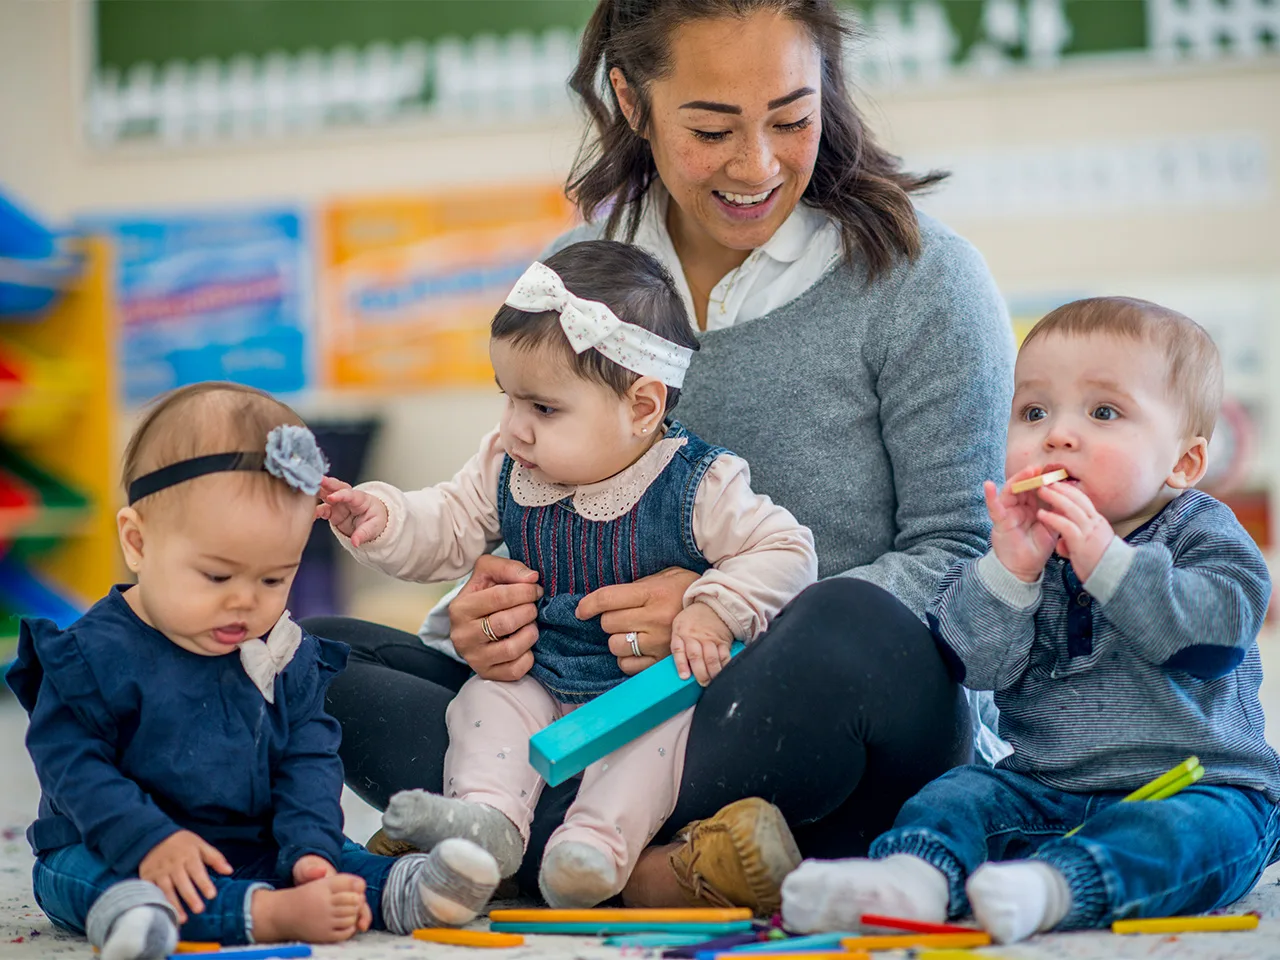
{"type": "Point", "coordinates": [1215, 248]}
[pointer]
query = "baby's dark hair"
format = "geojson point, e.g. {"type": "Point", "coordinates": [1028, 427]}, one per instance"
{"type": "Point", "coordinates": [630, 282]}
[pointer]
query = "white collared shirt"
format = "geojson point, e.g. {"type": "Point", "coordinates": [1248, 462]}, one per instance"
{"type": "Point", "coordinates": [804, 248]}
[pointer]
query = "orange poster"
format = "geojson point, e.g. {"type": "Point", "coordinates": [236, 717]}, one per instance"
{"type": "Point", "coordinates": [409, 283]}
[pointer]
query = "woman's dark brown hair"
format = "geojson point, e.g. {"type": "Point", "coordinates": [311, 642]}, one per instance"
{"type": "Point", "coordinates": [856, 182]}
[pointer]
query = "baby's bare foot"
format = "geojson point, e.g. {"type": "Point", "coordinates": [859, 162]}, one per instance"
{"type": "Point", "coordinates": [322, 911]}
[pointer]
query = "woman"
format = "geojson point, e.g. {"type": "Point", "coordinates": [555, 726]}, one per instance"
{"type": "Point", "coordinates": [857, 354]}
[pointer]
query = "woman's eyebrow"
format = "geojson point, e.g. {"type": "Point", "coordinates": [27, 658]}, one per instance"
{"type": "Point", "coordinates": [734, 109]}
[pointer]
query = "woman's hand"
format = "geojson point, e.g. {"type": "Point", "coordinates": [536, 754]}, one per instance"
{"type": "Point", "coordinates": [506, 592]}
{"type": "Point", "coordinates": [359, 516]}
{"type": "Point", "coordinates": [1020, 539]}
{"type": "Point", "coordinates": [647, 608]}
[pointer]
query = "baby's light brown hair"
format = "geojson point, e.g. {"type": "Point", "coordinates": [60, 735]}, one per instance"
{"type": "Point", "coordinates": [201, 419]}
{"type": "Point", "coordinates": [1194, 365]}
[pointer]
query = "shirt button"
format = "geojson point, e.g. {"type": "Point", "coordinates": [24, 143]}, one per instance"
{"type": "Point", "coordinates": [1082, 599]}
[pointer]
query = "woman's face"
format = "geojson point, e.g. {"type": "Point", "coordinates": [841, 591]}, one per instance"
{"type": "Point", "coordinates": [735, 125]}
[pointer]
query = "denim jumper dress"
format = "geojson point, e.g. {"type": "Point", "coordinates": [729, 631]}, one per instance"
{"type": "Point", "coordinates": [574, 556]}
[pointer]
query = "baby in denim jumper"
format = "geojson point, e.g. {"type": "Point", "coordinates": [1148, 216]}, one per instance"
{"type": "Point", "coordinates": [1116, 618]}
{"type": "Point", "coordinates": [590, 483]}
{"type": "Point", "coordinates": [189, 773]}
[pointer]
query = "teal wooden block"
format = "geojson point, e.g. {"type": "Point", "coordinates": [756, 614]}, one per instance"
{"type": "Point", "coordinates": [596, 729]}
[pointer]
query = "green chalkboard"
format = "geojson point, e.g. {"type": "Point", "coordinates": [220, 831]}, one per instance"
{"type": "Point", "coordinates": [132, 31]}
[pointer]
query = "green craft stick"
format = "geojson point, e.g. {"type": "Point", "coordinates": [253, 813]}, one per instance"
{"type": "Point", "coordinates": [1145, 791]}
{"type": "Point", "coordinates": [1177, 785]}
{"type": "Point", "coordinates": [1165, 785]}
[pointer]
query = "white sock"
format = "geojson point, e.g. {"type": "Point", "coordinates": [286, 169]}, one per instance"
{"type": "Point", "coordinates": [1013, 900]}
{"type": "Point", "coordinates": [576, 876]}
{"type": "Point", "coordinates": [141, 933]}
{"type": "Point", "coordinates": [831, 895]}
{"type": "Point", "coordinates": [425, 819]}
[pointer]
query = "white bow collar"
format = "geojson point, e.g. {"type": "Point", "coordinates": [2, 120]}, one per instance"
{"type": "Point", "coordinates": [263, 660]}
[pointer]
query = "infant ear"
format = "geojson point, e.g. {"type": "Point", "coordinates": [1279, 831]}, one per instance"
{"type": "Point", "coordinates": [1191, 466]}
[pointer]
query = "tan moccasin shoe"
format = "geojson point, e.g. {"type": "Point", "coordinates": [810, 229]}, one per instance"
{"type": "Point", "coordinates": [738, 858]}
{"type": "Point", "coordinates": [384, 846]}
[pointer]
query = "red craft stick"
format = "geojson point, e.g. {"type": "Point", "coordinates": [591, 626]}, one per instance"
{"type": "Point", "coordinates": [913, 926]}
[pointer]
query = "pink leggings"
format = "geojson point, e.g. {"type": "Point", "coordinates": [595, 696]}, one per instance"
{"type": "Point", "coordinates": [624, 798]}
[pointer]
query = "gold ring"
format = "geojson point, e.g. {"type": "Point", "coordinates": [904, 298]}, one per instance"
{"type": "Point", "coordinates": [487, 629]}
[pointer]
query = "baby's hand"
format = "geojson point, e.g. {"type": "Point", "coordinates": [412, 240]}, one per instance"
{"type": "Point", "coordinates": [312, 867]}
{"type": "Point", "coordinates": [359, 516]}
{"type": "Point", "coordinates": [1084, 533]}
{"type": "Point", "coordinates": [700, 641]}
{"type": "Point", "coordinates": [1020, 540]}
{"type": "Point", "coordinates": [177, 866]}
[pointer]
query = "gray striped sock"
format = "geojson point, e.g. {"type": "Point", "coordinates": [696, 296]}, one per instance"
{"type": "Point", "coordinates": [447, 887]}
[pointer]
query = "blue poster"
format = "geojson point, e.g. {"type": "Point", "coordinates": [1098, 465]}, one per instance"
{"type": "Point", "coordinates": [218, 296]}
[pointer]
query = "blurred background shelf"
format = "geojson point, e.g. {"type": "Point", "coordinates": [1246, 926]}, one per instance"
{"type": "Point", "coordinates": [58, 415]}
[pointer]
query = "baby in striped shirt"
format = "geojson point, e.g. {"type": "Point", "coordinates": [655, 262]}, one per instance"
{"type": "Point", "coordinates": [1116, 619]}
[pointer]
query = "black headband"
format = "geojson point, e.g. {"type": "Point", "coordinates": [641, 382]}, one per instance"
{"type": "Point", "coordinates": [185, 470]}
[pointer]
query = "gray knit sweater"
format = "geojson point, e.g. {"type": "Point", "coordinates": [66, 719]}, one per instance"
{"type": "Point", "coordinates": [871, 412]}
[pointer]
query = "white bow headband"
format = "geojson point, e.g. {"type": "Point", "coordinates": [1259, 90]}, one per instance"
{"type": "Point", "coordinates": [589, 323]}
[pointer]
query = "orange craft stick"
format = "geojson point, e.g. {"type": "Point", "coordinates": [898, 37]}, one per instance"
{"type": "Point", "coordinates": [624, 915]}
{"type": "Point", "coordinates": [468, 938]}
{"type": "Point", "coordinates": [974, 938]}
{"type": "Point", "coordinates": [196, 946]}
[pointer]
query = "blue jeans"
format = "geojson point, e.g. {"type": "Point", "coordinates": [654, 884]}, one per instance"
{"type": "Point", "coordinates": [1200, 849]}
{"type": "Point", "coordinates": [68, 880]}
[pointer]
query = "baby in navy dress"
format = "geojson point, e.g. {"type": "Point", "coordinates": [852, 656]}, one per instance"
{"type": "Point", "coordinates": [189, 774]}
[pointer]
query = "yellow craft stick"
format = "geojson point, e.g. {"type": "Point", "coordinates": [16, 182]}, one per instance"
{"type": "Point", "coordinates": [468, 938]}
{"type": "Point", "coordinates": [975, 939]}
{"type": "Point", "coordinates": [1162, 787]}
{"type": "Point", "coordinates": [1247, 921]}
{"type": "Point", "coordinates": [1034, 483]}
{"type": "Point", "coordinates": [623, 915]}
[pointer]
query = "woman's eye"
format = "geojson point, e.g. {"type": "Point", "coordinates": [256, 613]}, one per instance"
{"type": "Point", "coordinates": [709, 136]}
{"type": "Point", "coordinates": [1032, 414]}
{"type": "Point", "coordinates": [1106, 412]}
{"type": "Point", "coordinates": [800, 124]}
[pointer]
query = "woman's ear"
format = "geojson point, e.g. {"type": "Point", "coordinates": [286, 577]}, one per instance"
{"type": "Point", "coordinates": [648, 399]}
{"type": "Point", "coordinates": [626, 98]}
{"type": "Point", "coordinates": [129, 526]}
{"type": "Point", "coordinates": [1191, 466]}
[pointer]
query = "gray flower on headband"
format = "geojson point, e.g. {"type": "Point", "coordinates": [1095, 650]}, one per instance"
{"type": "Point", "coordinates": [294, 457]}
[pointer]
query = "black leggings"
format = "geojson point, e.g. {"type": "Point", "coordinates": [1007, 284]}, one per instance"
{"type": "Point", "coordinates": [838, 715]}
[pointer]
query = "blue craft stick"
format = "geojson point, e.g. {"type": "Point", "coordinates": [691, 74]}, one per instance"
{"type": "Point", "coordinates": [651, 940]}
{"type": "Point", "coordinates": [283, 950]}
{"type": "Point", "coordinates": [615, 718]}
{"type": "Point", "coordinates": [819, 942]}
{"type": "Point", "coordinates": [604, 929]}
